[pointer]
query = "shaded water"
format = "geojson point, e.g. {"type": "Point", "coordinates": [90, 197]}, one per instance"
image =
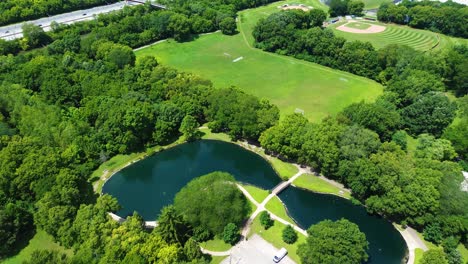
{"type": "Point", "coordinates": [386, 246]}
{"type": "Point", "coordinates": [148, 185]}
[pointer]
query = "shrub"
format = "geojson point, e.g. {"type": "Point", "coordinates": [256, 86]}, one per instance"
{"type": "Point", "coordinates": [265, 220]}
{"type": "Point", "coordinates": [289, 235]}
{"type": "Point", "coordinates": [231, 233]}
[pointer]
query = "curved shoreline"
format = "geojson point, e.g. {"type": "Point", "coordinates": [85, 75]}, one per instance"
{"type": "Point", "coordinates": [408, 237]}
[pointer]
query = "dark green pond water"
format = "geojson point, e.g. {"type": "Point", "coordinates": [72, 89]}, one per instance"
{"type": "Point", "coordinates": [148, 185]}
{"type": "Point", "coordinates": [386, 246]}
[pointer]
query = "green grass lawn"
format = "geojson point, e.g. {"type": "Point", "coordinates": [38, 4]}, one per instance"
{"type": "Point", "coordinates": [217, 259]}
{"type": "Point", "coordinates": [41, 240]}
{"type": "Point", "coordinates": [285, 81]}
{"type": "Point", "coordinates": [276, 206]}
{"type": "Point", "coordinates": [316, 184]}
{"type": "Point", "coordinates": [393, 34]}
{"type": "Point", "coordinates": [284, 169]}
{"type": "Point", "coordinates": [257, 193]}
{"type": "Point", "coordinates": [418, 253]}
{"type": "Point", "coordinates": [371, 4]}
{"type": "Point", "coordinates": [273, 236]}
{"type": "Point", "coordinates": [215, 244]}
{"type": "Point", "coordinates": [207, 134]}
{"type": "Point", "coordinates": [358, 25]}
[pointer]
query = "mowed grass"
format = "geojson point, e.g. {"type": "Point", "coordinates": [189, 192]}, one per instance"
{"type": "Point", "coordinates": [216, 244]}
{"type": "Point", "coordinates": [274, 236]}
{"type": "Point", "coordinates": [41, 240]}
{"type": "Point", "coordinates": [358, 25]}
{"type": "Point", "coordinates": [371, 4]}
{"type": "Point", "coordinates": [287, 82]}
{"type": "Point", "coordinates": [257, 193]}
{"type": "Point", "coordinates": [393, 34]}
{"type": "Point", "coordinates": [277, 207]}
{"type": "Point", "coordinates": [316, 184]}
{"type": "Point", "coordinates": [284, 169]}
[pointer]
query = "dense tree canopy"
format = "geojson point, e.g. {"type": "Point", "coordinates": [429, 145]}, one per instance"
{"type": "Point", "coordinates": [448, 18]}
{"type": "Point", "coordinates": [212, 202]}
{"type": "Point", "coordinates": [67, 108]}
{"type": "Point", "coordinates": [334, 242]}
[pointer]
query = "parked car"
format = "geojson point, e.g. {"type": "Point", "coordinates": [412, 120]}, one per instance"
{"type": "Point", "coordinates": [280, 255]}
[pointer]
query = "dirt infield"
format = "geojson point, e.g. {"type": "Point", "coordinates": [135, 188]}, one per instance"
{"type": "Point", "coordinates": [371, 30]}
{"type": "Point", "coordinates": [300, 7]}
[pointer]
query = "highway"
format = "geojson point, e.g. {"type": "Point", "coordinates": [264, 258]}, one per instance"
{"type": "Point", "coordinates": [14, 31]}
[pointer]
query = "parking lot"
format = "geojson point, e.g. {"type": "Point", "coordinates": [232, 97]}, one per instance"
{"type": "Point", "coordinates": [255, 250]}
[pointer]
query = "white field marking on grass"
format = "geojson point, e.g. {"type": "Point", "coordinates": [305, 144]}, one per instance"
{"type": "Point", "coordinates": [343, 79]}
{"type": "Point", "coordinates": [227, 54]}
{"type": "Point", "coordinates": [299, 111]}
{"type": "Point", "coordinates": [238, 59]}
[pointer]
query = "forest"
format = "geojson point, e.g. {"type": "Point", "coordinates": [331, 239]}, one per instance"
{"type": "Point", "coordinates": [82, 97]}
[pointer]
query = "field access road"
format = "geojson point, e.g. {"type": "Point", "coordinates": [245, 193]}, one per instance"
{"type": "Point", "coordinates": [14, 31]}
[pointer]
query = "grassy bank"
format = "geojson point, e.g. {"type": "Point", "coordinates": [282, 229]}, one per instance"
{"type": "Point", "coordinates": [316, 184]}
{"type": "Point", "coordinates": [274, 236]}
{"type": "Point", "coordinates": [257, 193]}
{"type": "Point", "coordinates": [118, 162]}
{"type": "Point", "coordinates": [284, 169]}
{"type": "Point", "coordinates": [216, 244]}
{"type": "Point", "coordinates": [41, 240]}
{"type": "Point", "coordinates": [276, 207]}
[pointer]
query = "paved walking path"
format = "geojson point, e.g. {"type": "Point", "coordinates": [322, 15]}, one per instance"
{"type": "Point", "coordinates": [260, 207]}
{"type": "Point", "coordinates": [413, 241]}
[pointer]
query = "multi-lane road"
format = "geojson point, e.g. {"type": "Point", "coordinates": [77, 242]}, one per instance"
{"type": "Point", "coordinates": [14, 31]}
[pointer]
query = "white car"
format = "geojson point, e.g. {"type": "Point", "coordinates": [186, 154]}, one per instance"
{"type": "Point", "coordinates": [280, 255]}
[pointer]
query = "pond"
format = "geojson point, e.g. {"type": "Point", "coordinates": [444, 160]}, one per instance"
{"type": "Point", "coordinates": [148, 185]}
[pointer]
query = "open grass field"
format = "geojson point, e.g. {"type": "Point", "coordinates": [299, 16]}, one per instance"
{"type": "Point", "coordinates": [274, 236]}
{"type": "Point", "coordinates": [287, 82]}
{"type": "Point", "coordinates": [422, 40]}
{"type": "Point", "coordinates": [316, 184]}
{"type": "Point", "coordinates": [358, 25]}
{"type": "Point", "coordinates": [41, 240]}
